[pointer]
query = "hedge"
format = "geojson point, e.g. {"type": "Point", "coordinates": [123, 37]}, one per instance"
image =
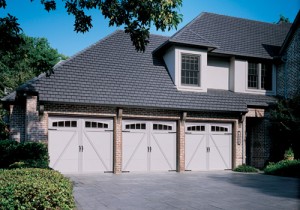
{"type": "Point", "coordinates": [27, 154]}
{"type": "Point", "coordinates": [34, 188]}
{"type": "Point", "coordinates": [246, 169]}
{"type": "Point", "coordinates": [284, 168]}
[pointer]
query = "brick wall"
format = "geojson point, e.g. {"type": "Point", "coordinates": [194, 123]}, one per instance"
{"type": "Point", "coordinates": [17, 122]}
{"type": "Point", "coordinates": [288, 73]}
{"type": "Point", "coordinates": [259, 141]}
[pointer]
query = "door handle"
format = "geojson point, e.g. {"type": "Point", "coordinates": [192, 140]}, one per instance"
{"type": "Point", "coordinates": [150, 149]}
{"type": "Point", "coordinates": [80, 148]}
{"type": "Point", "coordinates": [147, 149]}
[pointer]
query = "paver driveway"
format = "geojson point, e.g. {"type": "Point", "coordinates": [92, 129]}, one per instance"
{"type": "Point", "coordinates": [190, 190]}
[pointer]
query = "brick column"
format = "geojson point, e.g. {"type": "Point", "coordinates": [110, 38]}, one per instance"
{"type": "Point", "coordinates": [118, 142]}
{"type": "Point", "coordinates": [35, 124]}
{"type": "Point", "coordinates": [181, 143]}
{"type": "Point", "coordinates": [239, 141]}
{"type": "Point", "coordinates": [31, 117]}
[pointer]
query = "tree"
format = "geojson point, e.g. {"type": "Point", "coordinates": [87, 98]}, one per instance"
{"type": "Point", "coordinates": [283, 19]}
{"type": "Point", "coordinates": [32, 57]}
{"type": "Point", "coordinates": [285, 131]}
{"type": "Point", "coordinates": [136, 15]}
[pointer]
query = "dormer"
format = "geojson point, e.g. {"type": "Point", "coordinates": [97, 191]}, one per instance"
{"type": "Point", "coordinates": [187, 67]}
{"type": "Point", "coordinates": [222, 52]}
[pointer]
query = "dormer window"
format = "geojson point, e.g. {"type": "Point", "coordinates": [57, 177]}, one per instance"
{"type": "Point", "coordinates": [259, 76]}
{"type": "Point", "coordinates": [190, 70]}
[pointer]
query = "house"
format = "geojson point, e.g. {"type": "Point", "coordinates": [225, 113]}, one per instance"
{"type": "Point", "coordinates": [198, 100]}
{"type": "Point", "coordinates": [288, 79]}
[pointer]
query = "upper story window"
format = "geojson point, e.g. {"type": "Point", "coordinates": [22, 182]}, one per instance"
{"type": "Point", "coordinates": [259, 76]}
{"type": "Point", "coordinates": [190, 70]}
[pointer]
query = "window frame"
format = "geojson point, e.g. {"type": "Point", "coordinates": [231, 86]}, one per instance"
{"type": "Point", "coordinates": [199, 69]}
{"type": "Point", "coordinates": [259, 77]}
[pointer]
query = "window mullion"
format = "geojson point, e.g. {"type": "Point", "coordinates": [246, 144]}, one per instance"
{"type": "Point", "coordinates": [259, 76]}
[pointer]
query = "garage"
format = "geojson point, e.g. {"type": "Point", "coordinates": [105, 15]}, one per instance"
{"type": "Point", "coordinates": [148, 146]}
{"type": "Point", "coordinates": [208, 146]}
{"type": "Point", "coordinates": [80, 145]}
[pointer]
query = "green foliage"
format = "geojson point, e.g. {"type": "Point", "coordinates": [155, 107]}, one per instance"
{"type": "Point", "coordinates": [283, 19]}
{"type": "Point", "coordinates": [288, 153]}
{"type": "Point", "coordinates": [285, 130]}
{"type": "Point", "coordinates": [35, 189]}
{"type": "Point", "coordinates": [284, 168]}
{"type": "Point", "coordinates": [245, 168]}
{"type": "Point", "coordinates": [137, 16]}
{"type": "Point", "coordinates": [4, 132]}
{"type": "Point", "coordinates": [9, 32]}
{"type": "Point", "coordinates": [23, 155]}
{"type": "Point", "coordinates": [30, 59]}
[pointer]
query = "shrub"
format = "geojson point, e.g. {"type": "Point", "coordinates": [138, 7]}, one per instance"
{"type": "Point", "coordinates": [32, 154]}
{"type": "Point", "coordinates": [35, 189]}
{"type": "Point", "coordinates": [7, 152]}
{"type": "Point", "coordinates": [284, 168]}
{"type": "Point", "coordinates": [245, 168]}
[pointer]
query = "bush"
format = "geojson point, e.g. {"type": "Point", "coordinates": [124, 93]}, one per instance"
{"type": "Point", "coordinates": [32, 154]}
{"type": "Point", "coordinates": [245, 168]}
{"type": "Point", "coordinates": [35, 189]}
{"type": "Point", "coordinates": [284, 168]}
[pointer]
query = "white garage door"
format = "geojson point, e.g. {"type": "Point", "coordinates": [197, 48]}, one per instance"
{"type": "Point", "coordinates": [80, 145]}
{"type": "Point", "coordinates": [208, 146]}
{"type": "Point", "coordinates": [149, 146]}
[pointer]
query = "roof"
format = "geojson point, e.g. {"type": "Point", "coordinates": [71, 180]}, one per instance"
{"type": "Point", "coordinates": [111, 72]}
{"type": "Point", "coordinates": [233, 36]}
{"type": "Point", "coordinates": [295, 26]}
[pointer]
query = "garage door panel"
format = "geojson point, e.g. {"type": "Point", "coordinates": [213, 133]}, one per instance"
{"type": "Point", "coordinates": [163, 151]}
{"type": "Point", "coordinates": [135, 151]}
{"type": "Point", "coordinates": [80, 144]}
{"type": "Point", "coordinates": [63, 150]}
{"type": "Point", "coordinates": [149, 145]}
{"type": "Point", "coordinates": [208, 146]}
{"type": "Point", "coordinates": [220, 152]}
{"type": "Point", "coordinates": [195, 155]}
{"type": "Point", "coordinates": [97, 155]}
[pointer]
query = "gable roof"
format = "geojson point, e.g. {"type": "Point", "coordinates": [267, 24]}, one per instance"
{"type": "Point", "coordinates": [295, 26]}
{"type": "Point", "coordinates": [233, 36]}
{"type": "Point", "coordinates": [111, 72]}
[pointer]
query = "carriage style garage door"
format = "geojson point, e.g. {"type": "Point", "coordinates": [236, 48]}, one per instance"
{"type": "Point", "coordinates": [80, 145]}
{"type": "Point", "coordinates": [149, 146]}
{"type": "Point", "coordinates": [208, 146]}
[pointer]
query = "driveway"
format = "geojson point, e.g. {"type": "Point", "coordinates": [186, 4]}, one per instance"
{"type": "Point", "coordinates": [190, 190]}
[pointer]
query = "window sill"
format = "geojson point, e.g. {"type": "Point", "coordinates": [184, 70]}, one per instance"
{"type": "Point", "coordinates": [192, 88]}
{"type": "Point", "coordinates": [258, 91]}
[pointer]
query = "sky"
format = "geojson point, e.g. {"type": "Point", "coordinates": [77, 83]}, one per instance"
{"type": "Point", "coordinates": [57, 26]}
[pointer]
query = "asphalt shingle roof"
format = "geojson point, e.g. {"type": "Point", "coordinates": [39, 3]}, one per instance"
{"type": "Point", "coordinates": [234, 36]}
{"type": "Point", "coordinates": [111, 72]}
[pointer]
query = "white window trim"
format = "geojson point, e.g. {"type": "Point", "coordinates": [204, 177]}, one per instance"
{"type": "Point", "coordinates": [202, 65]}
{"type": "Point", "coordinates": [261, 91]}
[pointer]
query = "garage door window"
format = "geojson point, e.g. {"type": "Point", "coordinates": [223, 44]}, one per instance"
{"type": "Point", "coordinates": [219, 129]}
{"type": "Point", "coordinates": [162, 127]}
{"type": "Point", "coordinates": [65, 124]}
{"type": "Point", "coordinates": [90, 124]}
{"type": "Point", "coordinates": [196, 128]}
{"type": "Point", "coordinates": [136, 126]}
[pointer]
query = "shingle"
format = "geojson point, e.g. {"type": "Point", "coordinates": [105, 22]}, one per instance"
{"type": "Point", "coordinates": [112, 72]}
{"type": "Point", "coordinates": [235, 36]}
